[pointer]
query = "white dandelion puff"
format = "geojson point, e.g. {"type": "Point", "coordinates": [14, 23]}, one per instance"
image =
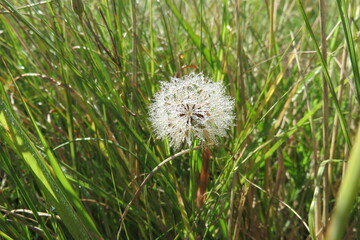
{"type": "Point", "coordinates": [191, 107]}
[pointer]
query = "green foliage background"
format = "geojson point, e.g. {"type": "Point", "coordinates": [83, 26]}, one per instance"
{"type": "Point", "coordinates": [76, 145]}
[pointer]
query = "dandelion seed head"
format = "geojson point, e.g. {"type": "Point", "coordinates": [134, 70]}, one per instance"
{"type": "Point", "coordinates": [191, 107]}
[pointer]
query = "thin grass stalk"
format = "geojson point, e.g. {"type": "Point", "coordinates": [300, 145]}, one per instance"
{"type": "Point", "coordinates": [271, 28]}
{"type": "Point", "coordinates": [134, 163]}
{"type": "Point", "coordinates": [325, 112]}
{"type": "Point", "coordinates": [350, 122]}
{"type": "Point", "coordinates": [234, 231]}
{"type": "Point", "coordinates": [336, 120]}
{"type": "Point", "coordinates": [134, 43]}
{"type": "Point", "coordinates": [152, 41]}
{"type": "Point", "coordinates": [268, 181]}
{"type": "Point", "coordinates": [201, 35]}
{"type": "Point", "coordinates": [237, 228]}
{"type": "Point", "coordinates": [239, 122]}
{"type": "Point", "coordinates": [69, 120]}
{"type": "Point", "coordinates": [317, 208]}
{"type": "Point", "coordinates": [231, 207]}
{"type": "Point", "coordinates": [313, 136]}
{"type": "Point", "coordinates": [243, 109]}
{"type": "Point", "coordinates": [308, 106]}
{"type": "Point", "coordinates": [79, 9]}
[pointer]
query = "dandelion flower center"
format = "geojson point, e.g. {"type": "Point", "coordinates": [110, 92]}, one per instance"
{"type": "Point", "coordinates": [192, 113]}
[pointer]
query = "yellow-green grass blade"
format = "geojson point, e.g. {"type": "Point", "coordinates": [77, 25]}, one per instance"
{"type": "Point", "coordinates": [54, 194]}
{"type": "Point", "coordinates": [5, 160]}
{"type": "Point", "coordinates": [71, 194]}
{"type": "Point", "coordinates": [5, 236]}
{"type": "Point", "coordinates": [349, 190]}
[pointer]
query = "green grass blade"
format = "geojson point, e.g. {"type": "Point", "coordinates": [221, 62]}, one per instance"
{"type": "Point", "coordinates": [350, 44]}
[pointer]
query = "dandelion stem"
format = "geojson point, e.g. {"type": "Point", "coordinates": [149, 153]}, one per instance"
{"type": "Point", "coordinates": [204, 177]}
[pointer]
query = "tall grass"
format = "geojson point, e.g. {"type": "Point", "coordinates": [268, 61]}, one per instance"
{"type": "Point", "coordinates": [78, 159]}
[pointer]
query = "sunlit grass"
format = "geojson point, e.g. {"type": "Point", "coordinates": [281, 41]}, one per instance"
{"type": "Point", "coordinates": [78, 157]}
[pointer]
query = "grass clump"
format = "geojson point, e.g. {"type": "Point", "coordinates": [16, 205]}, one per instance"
{"type": "Point", "coordinates": [79, 158]}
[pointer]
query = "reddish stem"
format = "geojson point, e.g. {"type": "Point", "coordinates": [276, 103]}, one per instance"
{"type": "Point", "coordinates": [204, 177]}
